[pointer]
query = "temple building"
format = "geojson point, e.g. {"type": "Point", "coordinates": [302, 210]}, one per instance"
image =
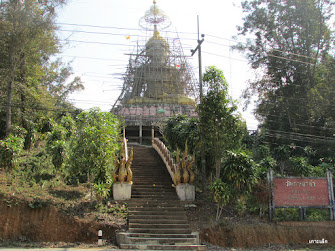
{"type": "Point", "coordinates": [158, 82]}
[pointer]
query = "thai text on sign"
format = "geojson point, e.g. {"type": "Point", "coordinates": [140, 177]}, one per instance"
{"type": "Point", "coordinates": [300, 192]}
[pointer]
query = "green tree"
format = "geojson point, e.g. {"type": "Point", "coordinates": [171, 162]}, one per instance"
{"type": "Point", "coordinates": [219, 121]}
{"type": "Point", "coordinates": [28, 40]}
{"type": "Point", "coordinates": [93, 146]}
{"type": "Point", "coordinates": [289, 41]}
{"type": "Point", "coordinates": [178, 130]}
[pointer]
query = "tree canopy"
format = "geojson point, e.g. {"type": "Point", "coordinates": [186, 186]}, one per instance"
{"type": "Point", "coordinates": [29, 81]}
{"type": "Point", "coordinates": [290, 43]}
{"type": "Point", "coordinates": [218, 118]}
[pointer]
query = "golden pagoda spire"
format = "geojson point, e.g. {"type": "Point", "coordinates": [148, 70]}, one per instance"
{"type": "Point", "coordinates": [156, 32]}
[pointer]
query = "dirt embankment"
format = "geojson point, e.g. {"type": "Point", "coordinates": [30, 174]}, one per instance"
{"type": "Point", "coordinates": [45, 223]}
{"type": "Point", "coordinates": [19, 221]}
{"type": "Point", "coordinates": [258, 235]}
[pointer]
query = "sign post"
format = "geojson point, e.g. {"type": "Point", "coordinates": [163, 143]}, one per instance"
{"type": "Point", "coordinates": [302, 193]}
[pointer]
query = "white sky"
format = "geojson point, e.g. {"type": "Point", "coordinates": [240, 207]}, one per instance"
{"type": "Point", "coordinates": [102, 59]}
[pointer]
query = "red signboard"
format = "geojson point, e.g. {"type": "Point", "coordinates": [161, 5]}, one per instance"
{"type": "Point", "coordinates": [300, 192]}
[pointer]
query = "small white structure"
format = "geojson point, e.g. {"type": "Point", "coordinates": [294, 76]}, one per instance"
{"type": "Point", "coordinates": [186, 192]}
{"type": "Point", "coordinates": [122, 191]}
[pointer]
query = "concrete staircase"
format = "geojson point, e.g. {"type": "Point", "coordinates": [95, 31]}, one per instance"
{"type": "Point", "coordinates": [157, 219]}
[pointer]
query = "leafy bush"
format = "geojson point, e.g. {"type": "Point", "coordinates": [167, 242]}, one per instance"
{"type": "Point", "coordinates": [264, 165]}
{"type": "Point", "coordinates": [30, 137]}
{"type": "Point", "coordinates": [286, 214]}
{"type": "Point", "coordinates": [9, 151]}
{"type": "Point", "coordinates": [222, 194]}
{"type": "Point", "coordinates": [300, 166]}
{"type": "Point", "coordinates": [315, 214]}
{"type": "Point", "coordinates": [239, 171]}
{"type": "Point", "coordinates": [57, 145]}
{"type": "Point", "coordinates": [101, 191]}
{"type": "Point", "coordinates": [257, 200]}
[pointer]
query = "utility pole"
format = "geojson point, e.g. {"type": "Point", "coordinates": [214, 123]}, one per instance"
{"type": "Point", "coordinates": [198, 48]}
{"type": "Point", "coordinates": [202, 150]}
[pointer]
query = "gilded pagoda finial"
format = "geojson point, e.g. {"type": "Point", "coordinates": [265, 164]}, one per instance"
{"type": "Point", "coordinates": [155, 16]}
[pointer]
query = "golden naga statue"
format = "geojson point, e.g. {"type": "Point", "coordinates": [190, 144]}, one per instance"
{"type": "Point", "coordinates": [122, 172]}
{"type": "Point", "coordinates": [183, 173]}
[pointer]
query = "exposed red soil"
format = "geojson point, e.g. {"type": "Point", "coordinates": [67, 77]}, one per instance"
{"type": "Point", "coordinates": [250, 231]}
{"type": "Point", "coordinates": [265, 234]}
{"type": "Point", "coordinates": [18, 221]}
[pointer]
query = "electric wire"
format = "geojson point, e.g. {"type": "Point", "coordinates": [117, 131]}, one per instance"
{"type": "Point", "coordinates": [215, 54]}
{"type": "Point", "coordinates": [189, 33]}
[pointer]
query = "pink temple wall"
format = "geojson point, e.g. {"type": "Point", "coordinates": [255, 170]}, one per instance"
{"type": "Point", "coordinates": [152, 111]}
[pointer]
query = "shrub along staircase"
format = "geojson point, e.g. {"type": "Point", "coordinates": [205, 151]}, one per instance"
{"type": "Point", "coordinates": [157, 219]}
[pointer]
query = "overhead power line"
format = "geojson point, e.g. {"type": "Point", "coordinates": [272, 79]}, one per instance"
{"type": "Point", "coordinates": [294, 60]}
{"type": "Point", "coordinates": [96, 42]}
{"type": "Point", "coordinates": [114, 34]}
{"type": "Point", "coordinates": [121, 28]}
{"type": "Point", "coordinates": [189, 33]}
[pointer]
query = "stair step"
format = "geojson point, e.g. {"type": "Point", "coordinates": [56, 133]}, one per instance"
{"type": "Point", "coordinates": [160, 230]}
{"type": "Point", "coordinates": [155, 195]}
{"type": "Point", "coordinates": [167, 212]}
{"type": "Point", "coordinates": [169, 241]}
{"type": "Point", "coordinates": [152, 183]}
{"type": "Point", "coordinates": [154, 201]}
{"type": "Point", "coordinates": [154, 207]}
{"type": "Point", "coordinates": [167, 189]}
{"type": "Point", "coordinates": [158, 217]}
{"type": "Point", "coordinates": [151, 235]}
{"type": "Point", "coordinates": [153, 189]}
{"type": "Point", "coordinates": [152, 179]}
{"type": "Point", "coordinates": [163, 247]}
{"type": "Point", "coordinates": [159, 225]}
{"type": "Point", "coordinates": [158, 221]}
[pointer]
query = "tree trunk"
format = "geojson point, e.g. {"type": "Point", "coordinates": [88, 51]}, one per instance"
{"type": "Point", "coordinates": [10, 92]}
{"type": "Point", "coordinates": [217, 157]}
{"type": "Point", "coordinates": [203, 160]}
{"type": "Point", "coordinates": [217, 167]}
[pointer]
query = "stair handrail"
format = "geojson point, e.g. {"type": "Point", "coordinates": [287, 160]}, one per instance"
{"type": "Point", "coordinates": [166, 156]}
{"type": "Point", "coordinates": [125, 148]}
